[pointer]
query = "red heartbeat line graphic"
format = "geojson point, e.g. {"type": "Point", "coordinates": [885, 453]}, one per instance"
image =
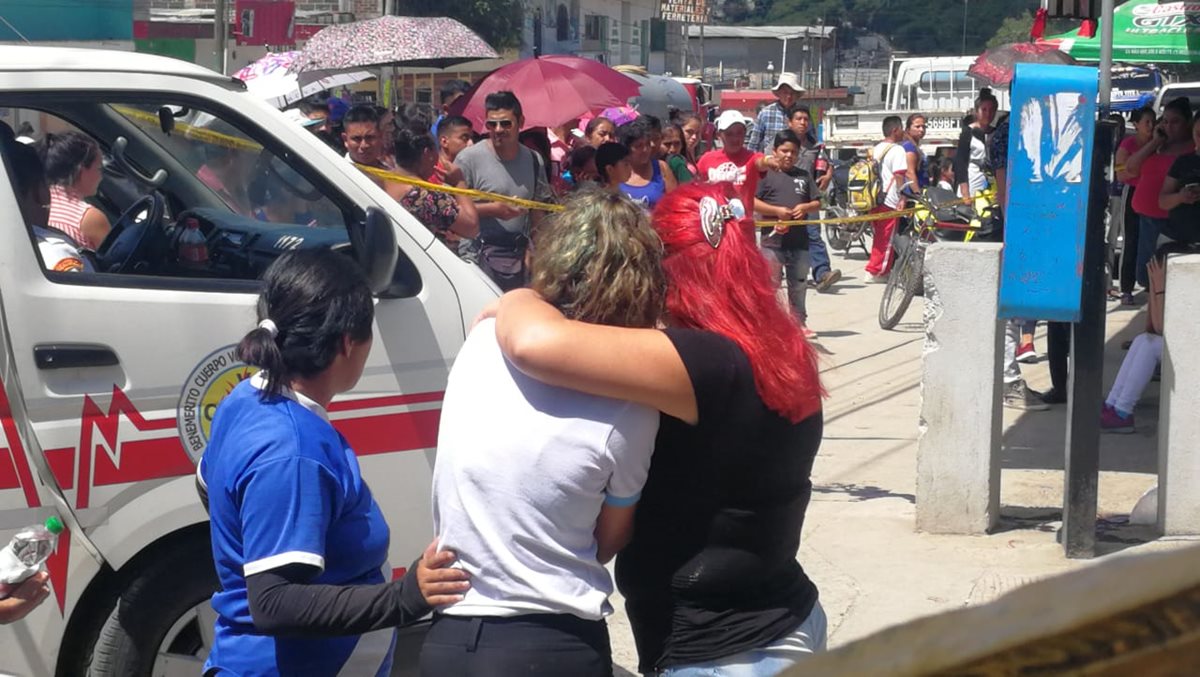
{"type": "Point", "coordinates": [140, 460]}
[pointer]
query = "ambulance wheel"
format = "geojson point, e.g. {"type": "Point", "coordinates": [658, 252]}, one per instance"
{"type": "Point", "coordinates": [162, 623]}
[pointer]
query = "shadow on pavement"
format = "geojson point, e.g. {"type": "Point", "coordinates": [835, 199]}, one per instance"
{"type": "Point", "coordinates": [858, 492]}
{"type": "Point", "coordinates": [1035, 441]}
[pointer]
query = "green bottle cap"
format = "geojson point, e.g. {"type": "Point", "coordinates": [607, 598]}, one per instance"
{"type": "Point", "coordinates": [54, 525]}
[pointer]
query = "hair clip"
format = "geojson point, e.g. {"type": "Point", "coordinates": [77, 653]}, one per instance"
{"type": "Point", "coordinates": [270, 326]}
{"type": "Point", "coordinates": [714, 216]}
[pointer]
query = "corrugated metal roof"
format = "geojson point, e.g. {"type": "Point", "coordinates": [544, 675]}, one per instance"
{"type": "Point", "coordinates": [776, 32]}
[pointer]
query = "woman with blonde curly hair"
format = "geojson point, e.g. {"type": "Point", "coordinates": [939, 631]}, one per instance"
{"type": "Point", "coordinates": [534, 486]}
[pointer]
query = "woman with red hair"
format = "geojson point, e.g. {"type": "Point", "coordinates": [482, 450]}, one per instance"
{"type": "Point", "coordinates": [710, 579]}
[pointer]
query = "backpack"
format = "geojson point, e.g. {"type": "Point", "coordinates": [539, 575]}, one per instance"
{"type": "Point", "coordinates": [864, 187]}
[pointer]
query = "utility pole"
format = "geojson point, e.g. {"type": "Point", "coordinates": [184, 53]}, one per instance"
{"type": "Point", "coordinates": [964, 34]}
{"type": "Point", "coordinates": [221, 35]}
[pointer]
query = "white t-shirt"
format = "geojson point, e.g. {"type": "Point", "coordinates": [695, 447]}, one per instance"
{"type": "Point", "coordinates": [522, 471]}
{"type": "Point", "coordinates": [892, 159]}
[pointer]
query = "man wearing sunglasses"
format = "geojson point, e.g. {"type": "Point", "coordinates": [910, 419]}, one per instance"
{"type": "Point", "coordinates": [500, 164]}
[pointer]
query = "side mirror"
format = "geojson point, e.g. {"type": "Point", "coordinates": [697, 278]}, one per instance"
{"type": "Point", "coordinates": [375, 248]}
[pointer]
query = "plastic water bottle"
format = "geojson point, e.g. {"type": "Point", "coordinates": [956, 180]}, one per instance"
{"type": "Point", "coordinates": [26, 553]}
{"type": "Point", "coordinates": [193, 247]}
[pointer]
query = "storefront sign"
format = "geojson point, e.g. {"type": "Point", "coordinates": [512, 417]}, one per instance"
{"type": "Point", "coordinates": [687, 11]}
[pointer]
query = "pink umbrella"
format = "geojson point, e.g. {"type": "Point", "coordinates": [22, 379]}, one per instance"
{"type": "Point", "coordinates": [552, 90]}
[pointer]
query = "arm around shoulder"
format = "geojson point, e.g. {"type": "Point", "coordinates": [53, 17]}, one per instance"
{"type": "Point", "coordinates": [640, 365]}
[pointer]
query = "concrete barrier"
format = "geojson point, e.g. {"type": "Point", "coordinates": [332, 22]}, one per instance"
{"type": "Point", "coordinates": [958, 466]}
{"type": "Point", "coordinates": [1178, 425]}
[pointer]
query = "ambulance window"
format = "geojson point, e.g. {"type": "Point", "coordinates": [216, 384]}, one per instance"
{"type": "Point", "coordinates": [193, 199]}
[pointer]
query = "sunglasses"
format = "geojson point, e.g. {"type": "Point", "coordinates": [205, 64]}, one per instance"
{"type": "Point", "coordinates": [499, 124]}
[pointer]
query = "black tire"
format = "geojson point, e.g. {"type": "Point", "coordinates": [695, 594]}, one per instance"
{"type": "Point", "coordinates": [155, 599]}
{"type": "Point", "coordinates": [902, 285]}
{"type": "Point", "coordinates": [836, 236]}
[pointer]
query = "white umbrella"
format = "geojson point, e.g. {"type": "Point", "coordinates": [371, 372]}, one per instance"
{"type": "Point", "coordinates": [283, 89]}
{"type": "Point", "coordinates": [269, 78]}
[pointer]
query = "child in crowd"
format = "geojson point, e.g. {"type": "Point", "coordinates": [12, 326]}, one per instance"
{"type": "Point", "coordinates": [612, 165]}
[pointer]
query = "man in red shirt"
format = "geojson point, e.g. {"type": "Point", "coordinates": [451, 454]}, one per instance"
{"type": "Point", "coordinates": [733, 163]}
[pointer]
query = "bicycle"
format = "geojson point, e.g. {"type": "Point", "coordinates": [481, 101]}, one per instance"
{"type": "Point", "coordinates": [843, 236]}
{"type": "Point", "coordinates": [937, 218]}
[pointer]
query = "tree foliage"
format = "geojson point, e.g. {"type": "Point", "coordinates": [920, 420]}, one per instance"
{"type": "Point", "coordinates": [497, 21]}
{"type": "Point", "coordinates": [915, 26]}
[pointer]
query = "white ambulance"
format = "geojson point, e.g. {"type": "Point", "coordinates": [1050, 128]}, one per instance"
{"type": "Point", "coordinates": [110, 378]}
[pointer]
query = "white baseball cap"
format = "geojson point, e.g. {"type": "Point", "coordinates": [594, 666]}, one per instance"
{"type": "Point", "coordinates": [730, 118]}
{"type": "Point", "coordinates": [790, 80]}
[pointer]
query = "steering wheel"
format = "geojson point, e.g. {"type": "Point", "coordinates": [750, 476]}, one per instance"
{"type": "Point", "coordinates": [126, 242]}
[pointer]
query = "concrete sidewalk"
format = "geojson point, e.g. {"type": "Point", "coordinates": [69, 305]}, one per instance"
{"type": "Point", "coordinates": [859, 544]}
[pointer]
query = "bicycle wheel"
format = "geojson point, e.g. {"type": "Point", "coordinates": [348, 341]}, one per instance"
{"type": "Point", "coordinates": [901, 285]}
{"type": "Point", "coordinates": [836, 234]}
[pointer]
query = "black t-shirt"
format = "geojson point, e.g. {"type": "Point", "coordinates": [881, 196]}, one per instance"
{"type": "Point", "coordinates": [711, 570]}
{"type": "Point", "coordinates": [1183, 222]}
{"type": "Point", "coordinates": [786, 189]}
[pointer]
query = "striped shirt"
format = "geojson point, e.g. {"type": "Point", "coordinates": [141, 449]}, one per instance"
{"type": "Point", "coordinates": [66, 213]}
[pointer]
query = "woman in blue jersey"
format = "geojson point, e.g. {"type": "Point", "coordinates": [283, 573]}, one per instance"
{"type": "Point", "coordinates": [651, 178]}
{"type": "Point", "coordinates": [299, 543]}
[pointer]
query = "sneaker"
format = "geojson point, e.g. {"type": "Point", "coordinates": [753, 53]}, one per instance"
{"type": "Point", "coordinates": [1054, 396]}
{"type": "Point", "coordinates": [1112, 422]}
{"type": "Point", "coordinates": [1127, 299]}
{"type": "Point", "coordinates": [1017, 395]}
{"type": "Point", "coordinates": [829, 279]}
{"type": "Point", "coordinates": [876, 279]}
{"type": "Point", "coordinates": [1027, 354]}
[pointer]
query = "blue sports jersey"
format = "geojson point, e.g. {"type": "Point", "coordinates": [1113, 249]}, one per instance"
{"type": "Point", "coordinates": [284, 488]}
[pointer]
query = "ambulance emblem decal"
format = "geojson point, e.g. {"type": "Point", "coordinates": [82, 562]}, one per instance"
{"type": "Point", "coordinates": [215, 377]}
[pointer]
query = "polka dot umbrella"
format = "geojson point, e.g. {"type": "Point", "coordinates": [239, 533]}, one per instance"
{"type": "Point", "coordinates": [419, 42]}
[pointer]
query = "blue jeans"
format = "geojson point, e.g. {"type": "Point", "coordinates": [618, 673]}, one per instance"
{"type": "Point", "coordinates": [767, 661]}
{"type": "Point", "coordinates": [1148, 232]}
{"type": "Point", "coordinates": [794, 266]}
{"type": "Point", "coordinates": [817, 253]}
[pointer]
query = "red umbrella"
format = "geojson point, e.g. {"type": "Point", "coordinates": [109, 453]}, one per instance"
{"type": "Point", "coordinates": [995, 66]}
{"type": "Point", "coordinates": [552, 90]}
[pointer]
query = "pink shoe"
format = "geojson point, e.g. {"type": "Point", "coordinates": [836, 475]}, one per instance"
{"type": "Point", "coordinates": [1112, 422]}
{"type": "Point", "coordinates": [808, 333]}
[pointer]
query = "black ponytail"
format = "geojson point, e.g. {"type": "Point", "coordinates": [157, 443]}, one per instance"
{"type": "Point", "coordinates": [312, 298]}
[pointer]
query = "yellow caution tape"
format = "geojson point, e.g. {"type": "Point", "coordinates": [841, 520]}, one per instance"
{"type": "Point", "coordinates": [215, 138]}
{"type": "Point", "coordinates": [455, 190]}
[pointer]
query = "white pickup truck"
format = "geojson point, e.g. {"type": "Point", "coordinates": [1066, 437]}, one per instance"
{"type": "Point", "coordinates": [936, 87]}
{"type": "Point", "coordinates": [108, 379]}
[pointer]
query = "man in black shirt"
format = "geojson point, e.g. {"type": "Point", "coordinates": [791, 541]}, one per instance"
{"type": "Point", "coordinates": [814, 160]}
{"type": "Point", "coordinates": [786, 195]}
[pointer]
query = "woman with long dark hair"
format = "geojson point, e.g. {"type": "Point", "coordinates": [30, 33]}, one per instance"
{"type": "Point", "coordinates": [73, 163]}
{"type": "Point", "coordinates": [416, 156]}
{"type": "Point", "coordinates": [299, 542]}
{"type": "Point", "coordinates": [710, 578]}
{"type": "Point", "coordinates": [971, 158]}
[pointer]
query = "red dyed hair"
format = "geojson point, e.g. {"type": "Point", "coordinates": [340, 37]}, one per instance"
{"type": "Point", "coordinates": [728, 290]}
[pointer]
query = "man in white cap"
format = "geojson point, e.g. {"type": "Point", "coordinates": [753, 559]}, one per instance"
{"type": "Point", "coordinates": [773, 118]}
{"type": "Point", "coordinates": [733, 162]}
